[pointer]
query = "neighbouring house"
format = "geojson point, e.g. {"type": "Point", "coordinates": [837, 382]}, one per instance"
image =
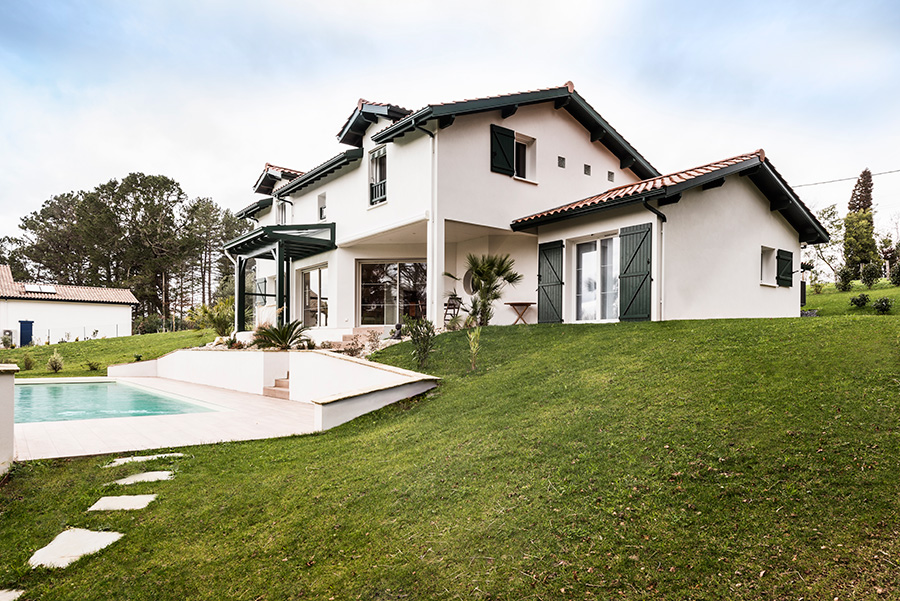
{"type": "Point", "coordinates": [598, 233]}
{"type": "Point", "coordinates": [39, 313]}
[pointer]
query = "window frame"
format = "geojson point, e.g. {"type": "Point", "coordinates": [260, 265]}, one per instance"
{"type": "Point", "coordinates": [399, 301]}
{"type": "Point", "coordinates": [378, 167]}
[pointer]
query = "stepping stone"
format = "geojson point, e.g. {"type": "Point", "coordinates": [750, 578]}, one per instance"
{"type": "Point", "coordinates": [70, 546]}
{"type": "Point", "coordinates": [122, 502]}
{"type": "Point", "coordinates": [145, 477]}
{"type": "Point", "coordinates": [8, 595]}
{"type": "Point", "coordinates": [124, 460]}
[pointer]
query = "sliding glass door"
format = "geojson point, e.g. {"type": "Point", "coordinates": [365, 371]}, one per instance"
{"type": "Point", "coordinates": [390, 290]}
{"type": "Point", "coordinates": [315, 299]}
{"type": "Point", "coordinates": [597, 280]}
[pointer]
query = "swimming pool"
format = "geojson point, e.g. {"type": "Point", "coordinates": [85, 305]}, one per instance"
{"type": "Point", "coordinates": [94, 400]}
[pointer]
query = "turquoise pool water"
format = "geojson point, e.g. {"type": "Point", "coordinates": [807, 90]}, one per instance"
{"type": "Point", "coordinates": [64, 402]}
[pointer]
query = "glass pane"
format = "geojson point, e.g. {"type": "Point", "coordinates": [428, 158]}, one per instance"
{"type": "Point", "coordinates": [323, 299]}
{"type": "Point", "coordinates": [586, 281]}
{"type": "Point", "coordinates": [412, 289]}
{"type": "Point", "coordinates": [378, 293]}
{"type": "Point", "coordinates": [609, 278]}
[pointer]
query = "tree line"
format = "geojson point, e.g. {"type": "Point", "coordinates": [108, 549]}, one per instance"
{"type": "Point", "coordinates": [141, 233]}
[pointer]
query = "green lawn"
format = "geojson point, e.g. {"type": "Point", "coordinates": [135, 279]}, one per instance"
{"type": "Point", "coordinates": [831, 302]}
{"type": "Point", "coordinates": [734, 459]}
{"type": "Point", "coordinates": [105, 352]}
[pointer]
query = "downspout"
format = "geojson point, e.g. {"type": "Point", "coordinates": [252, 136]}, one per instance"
{"type": "Point", "coordinates": [435, 223]}
{"type": "Point", "coordinates": [662, 220]}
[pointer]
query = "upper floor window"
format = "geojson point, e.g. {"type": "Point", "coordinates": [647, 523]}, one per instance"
{"type": "Point", "coordinates": [281, 216]}
{"type": "Point", "coordinates": [378, 176]}
{"type": "Point", "coordinates": [512, 153]}
{"type": "Point", "coordinates": [321, 206]}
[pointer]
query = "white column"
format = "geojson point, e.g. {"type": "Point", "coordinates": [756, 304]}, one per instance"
{"type": "Point", "coordinates": [7, 416]}
{"type": "Point", "coordinates": [435, 280]}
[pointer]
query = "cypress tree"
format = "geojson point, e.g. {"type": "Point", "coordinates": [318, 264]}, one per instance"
{"type": "Point", "coordinates": [861, 199]}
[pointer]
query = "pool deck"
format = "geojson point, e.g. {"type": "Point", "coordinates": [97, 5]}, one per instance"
{"type": "Point", "coordinates": [238, 416]}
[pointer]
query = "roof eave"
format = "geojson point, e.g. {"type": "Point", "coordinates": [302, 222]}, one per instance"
{"type": "Point", "coordinates": [328, 167]}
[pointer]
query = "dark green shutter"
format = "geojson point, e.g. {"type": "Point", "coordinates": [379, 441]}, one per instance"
{"type": "Point", "coordinates": [503, 150]}
{"type": "Point", "coordinates": [634, 272]}
{"type": "Point", "coordinates": [784, 274]}
{"type": "Point", "coordinates": [550, 284]}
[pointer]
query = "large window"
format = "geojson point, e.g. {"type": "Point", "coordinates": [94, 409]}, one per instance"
{"type": "Point", "coordinates": [378, 176]}
{"type": "Point", "coordinates": [315, 297]}
{"type": "Point", "coordinates": [389, 291]}
{"type": "Point", "coordinates": [597, 280]}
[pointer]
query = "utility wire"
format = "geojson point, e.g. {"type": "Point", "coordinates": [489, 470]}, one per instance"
{"type": "Point", "coordinates": [845, 179]}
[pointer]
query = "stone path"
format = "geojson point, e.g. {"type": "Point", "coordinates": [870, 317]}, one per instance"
{"type": "Point", "coordinates": [73, 544]}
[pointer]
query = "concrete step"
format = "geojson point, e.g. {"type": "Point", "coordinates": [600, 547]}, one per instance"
{"type": "Point", "coordinates": [283, 382]}
{"type": "Point", "coordinates": [277, 393]}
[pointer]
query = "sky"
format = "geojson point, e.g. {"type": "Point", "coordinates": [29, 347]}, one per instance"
{"type": "Point", "coordinates": [207, 92]}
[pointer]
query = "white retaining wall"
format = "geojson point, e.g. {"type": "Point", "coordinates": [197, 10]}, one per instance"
{"type": "Point", "coordinates": [7, 416]}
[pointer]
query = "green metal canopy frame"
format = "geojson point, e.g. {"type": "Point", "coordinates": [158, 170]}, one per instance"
{"type": "Point", "coordinates": [283, 243]}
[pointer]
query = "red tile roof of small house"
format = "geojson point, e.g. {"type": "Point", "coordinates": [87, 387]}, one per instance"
{"type": "Point", "coordinates": [10, 289]}
{"type": "Point", "coordinates": [755, 164]}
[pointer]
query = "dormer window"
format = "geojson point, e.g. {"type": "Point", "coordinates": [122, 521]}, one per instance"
{"type": "Point", "coordinates": [378, 176]}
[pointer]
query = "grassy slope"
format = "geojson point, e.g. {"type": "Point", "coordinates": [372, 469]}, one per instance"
{"type": "Point", "coordinates": [831, 302]}
{"type": "Point", "coordinates": [682, 460]}
{"type": "Point", "coordinates": [105, 351]}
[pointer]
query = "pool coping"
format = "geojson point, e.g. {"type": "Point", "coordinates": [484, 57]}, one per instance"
{"type": "Point", "coordinates": [238, 416]}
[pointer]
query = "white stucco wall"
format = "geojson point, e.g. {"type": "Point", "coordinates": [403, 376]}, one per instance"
{"type": "Point", "coordinates": [54, 320]}
{"type": "Point", "coordinates": [713, 242]}
{"type": "Point", "coordinates": [7, 416]}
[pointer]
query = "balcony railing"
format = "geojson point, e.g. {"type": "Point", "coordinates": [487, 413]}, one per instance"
{"type": "Point", "coordinates": [378, 192]}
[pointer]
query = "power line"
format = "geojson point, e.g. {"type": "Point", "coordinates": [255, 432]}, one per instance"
{"type": "Point", "coordinates": [845, 179]}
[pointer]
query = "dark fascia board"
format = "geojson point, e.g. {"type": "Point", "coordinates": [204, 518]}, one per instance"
{"type": "Point", "coordinates": [353, 131]}
{"type": "Point", "coordinates": [253, 209]}
{"type": "Point", "coordinates": [770, 183]}
{"type": "Point", "coordinates": [765, 178]}
{"type": "Point", "coordinates": [576, 106]}
{"type": "Point", "coordinates": [323, 170]}
{"type": "Point", "coordinates": [257, 242]}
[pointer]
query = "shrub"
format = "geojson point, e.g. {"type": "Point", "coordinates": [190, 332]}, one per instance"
{"type": "Point", "coordinates": [55, 362]}
{"type": "Point", "coordinates": [421, 332]}
{"type": "Point", "coordinates": [374, 340]}
{"type": "Point", "coordinates": [860, 301]}
{"type": "Point", "coordinates": [843, 280]}
{"type": "Point", "coordinates": [6, 342]}
{"type": "Point", "coordinates": [474, 336]}
{"type": "Point", "coordinates": [869, 274]}
{"type": "Point", "coordinates": [895, 275]}
{"type": "Point", "coordinates": [219, 317]}
{"type": "Point", "coordinates": [283, 337]}
{"type": "Point", "coordinates": [818, 287]}
{"type": "Point", "coordinates": [883, 305]}
{"type": "Point", "coordinates": [93, 365]}
{"type": "Point", "coordinates": [354, 346]}
{"type": "Point", "coordinates": [138, 356]}
{"type": "Point", "coordinates": [27, 362]}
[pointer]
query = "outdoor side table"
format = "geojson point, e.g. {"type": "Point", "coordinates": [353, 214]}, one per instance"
{"type": "Point", "coordinates": [520, 309]}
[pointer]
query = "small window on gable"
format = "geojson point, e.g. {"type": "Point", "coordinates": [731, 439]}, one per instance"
{"type": "Point", "coordinates": [587, 169]}
{"type": "Point", "coordinates": [321, 206]}
{"type": "Point", "coordinates": [512, 153]}
{"type": "Point", "coordinates": [611, 176]}
{"type": "Point", "coordinates": [378, 176]}
{"type": "Point", "coordinates": [561, 162]}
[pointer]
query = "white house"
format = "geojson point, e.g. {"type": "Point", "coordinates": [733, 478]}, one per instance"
{"type": "Point", "coordinates": [39, 313]}
{"type": "Point", "coordinates": [597, 232]}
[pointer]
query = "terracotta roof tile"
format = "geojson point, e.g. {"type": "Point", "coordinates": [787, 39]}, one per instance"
{"type": "Point", "coordinates": [10, 289]}
{"type": "Point", "coordinates": [647, 185]}
{"type": "Point", "coordinates": [285, 169]}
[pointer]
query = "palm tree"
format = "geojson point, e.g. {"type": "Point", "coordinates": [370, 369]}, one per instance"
{"type": "Point", "coordinates": [490, 274]}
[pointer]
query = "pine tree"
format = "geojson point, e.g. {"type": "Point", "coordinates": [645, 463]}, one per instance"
{"type": "Point", "coordinates": [861, 199]}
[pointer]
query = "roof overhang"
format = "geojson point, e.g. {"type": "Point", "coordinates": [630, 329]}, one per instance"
{"type": "Point", "coordinates": [564, 97]}
{"type": "Point", "coordinates": [296, 241]}
{"type": "Point", "coordinates": [250, 211]}
{"type": "Point", "coordinates": [366, 114]}
{"type": "Point", "coordinates": [314, 175]}
{"type": "Point", "coordinates": [760, 171]}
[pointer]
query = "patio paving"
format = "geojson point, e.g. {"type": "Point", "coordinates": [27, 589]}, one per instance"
{"type": "Point", "coordinates": [10, 595]}
{"type": "Point", "coordinates": [238, 416]}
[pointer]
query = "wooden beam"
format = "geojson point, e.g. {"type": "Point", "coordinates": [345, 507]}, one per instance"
{"type": "Point", "coordinates": [561, 102]}
{"type": "Point", "coordinates": [597, 134]}
{"type": "Point", "coordinates": [713, 184]}
{"type": "Point", "coordinates": [446, 121]}
{"type": "Point", "coordinates": [669, 200]}
{"type": "Point", "coordinates": [626, 162]}
{"type": "Point", "coordinates": [780, 203]}
{"type": "Point", "coordinates": [509, 111]}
